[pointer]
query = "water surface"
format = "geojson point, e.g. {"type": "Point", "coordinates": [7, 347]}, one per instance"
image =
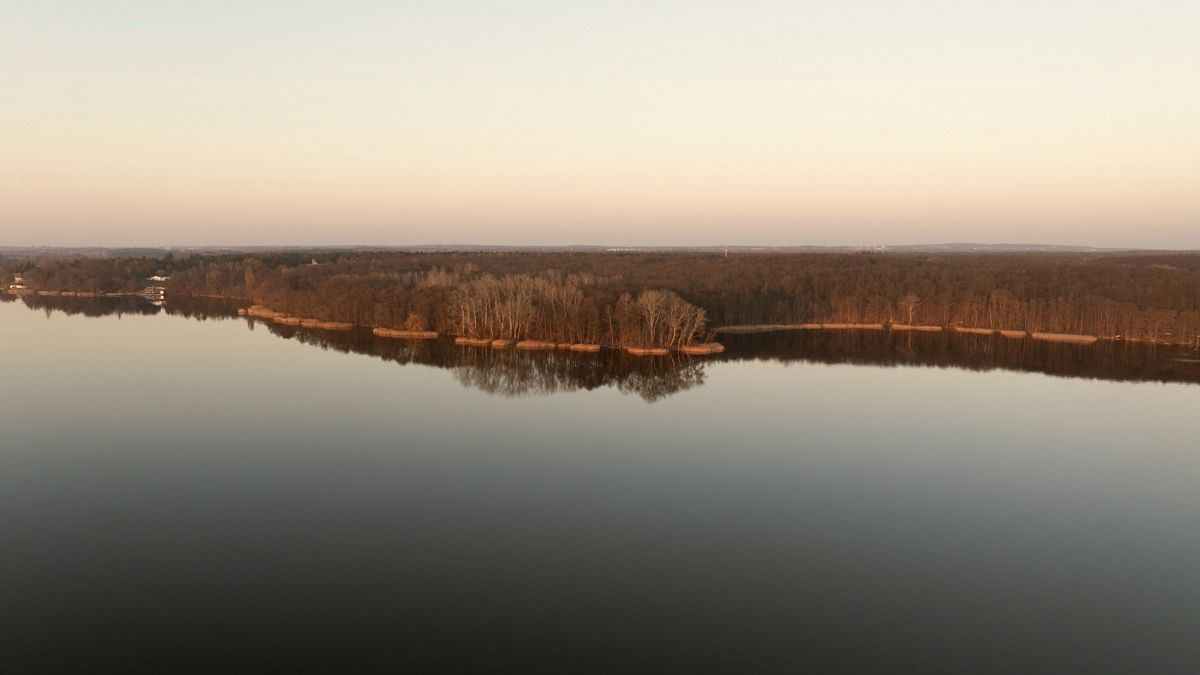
{"type": "Point", "coordinates": [178, 492]}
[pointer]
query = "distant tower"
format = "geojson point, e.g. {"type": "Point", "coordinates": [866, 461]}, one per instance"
{"type": "Point", "coordinates": [726, 250]}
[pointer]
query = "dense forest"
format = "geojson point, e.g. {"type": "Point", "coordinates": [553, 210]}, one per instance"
{"type": "Point", "coordinates": [673, 298]}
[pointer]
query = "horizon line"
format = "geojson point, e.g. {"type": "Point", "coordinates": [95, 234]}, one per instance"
{"type": "Point", "coordinates": [605, 247]}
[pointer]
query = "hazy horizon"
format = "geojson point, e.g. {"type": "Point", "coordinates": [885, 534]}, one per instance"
{"type": "Point", "coordinates": [466, 246]}
{"type": "Point", "coordinates": [642, 124]}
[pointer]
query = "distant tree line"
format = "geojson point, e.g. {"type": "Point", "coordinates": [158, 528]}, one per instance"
{"type": "Point", "coordinates": [670, 298]}
{"type": "Point", "coordinates": [90, 274]}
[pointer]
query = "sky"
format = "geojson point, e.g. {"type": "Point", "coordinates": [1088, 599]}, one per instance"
{"type": "Point", "coordinates": [606, 122]}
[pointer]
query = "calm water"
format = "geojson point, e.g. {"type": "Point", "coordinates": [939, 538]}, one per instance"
{"type": "Point", "coordinates": [203, 493]}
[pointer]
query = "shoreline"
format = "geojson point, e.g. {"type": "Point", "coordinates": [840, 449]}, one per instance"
{"type": "Point", "coordinates": [1042, 336]}
{"type": "Point", "coordinates": [258, 311]}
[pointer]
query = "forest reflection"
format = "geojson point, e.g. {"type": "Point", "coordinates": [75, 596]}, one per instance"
{"type": "Point", "coordinates": [1105, 359]}
{"type": "Point", "coordinates": [512, 373]}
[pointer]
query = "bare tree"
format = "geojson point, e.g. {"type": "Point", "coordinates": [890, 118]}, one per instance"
{"type": "Point", "coordinates": [909, 304]}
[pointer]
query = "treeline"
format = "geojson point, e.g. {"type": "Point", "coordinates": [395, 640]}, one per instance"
{"type": "Point", "coordinates": [603, 297]}
{"type": "Point", "coordinates": [454, 294]}
{"type": "Point", "coordinates": [95, 275]}
{"type": "Point", "coordinates": [551, 307]}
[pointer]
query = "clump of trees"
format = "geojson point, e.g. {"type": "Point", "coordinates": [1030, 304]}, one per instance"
{"type": "Point", "coordinates": [520, 306]}
{"type": "Point", "coordinates": [657, 318]}
{"type": "Point", "coordinates": [560, 309]}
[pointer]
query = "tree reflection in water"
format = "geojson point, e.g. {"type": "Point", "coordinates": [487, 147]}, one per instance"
{"type": "Point", "coordinates": [513, 372]}
{"type": "Point", "coordinates": [510, 372]}
{"type": "Point", "coordinates": [1105, 359]}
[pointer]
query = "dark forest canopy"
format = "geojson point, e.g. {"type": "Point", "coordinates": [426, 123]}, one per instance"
{"type": "Point", "coordinates": [671, 298]}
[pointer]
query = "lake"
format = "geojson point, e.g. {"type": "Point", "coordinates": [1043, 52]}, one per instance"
{"type": "Point", "coordinates": [183, 488]}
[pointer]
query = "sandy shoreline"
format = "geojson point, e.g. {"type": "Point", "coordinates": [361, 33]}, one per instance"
{"type": "Point", "coordinates": [1074, 338]}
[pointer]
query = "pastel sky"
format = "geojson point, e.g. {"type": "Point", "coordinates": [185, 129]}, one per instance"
{"type": "Point", "coordinates": [170, 122]}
